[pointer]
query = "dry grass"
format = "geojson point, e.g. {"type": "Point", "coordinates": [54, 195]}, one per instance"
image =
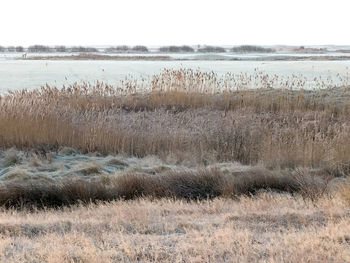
{"type": "Point", "coordinates": [192, 206]}
{"type": "Point", "coordinates": [266, 228]}
{"type": "Point", "coordinates": [188, 115]}
{"type": "Point", "coordinates": [188, 185]}
{"type": "Point", "coordinates": [345, 192]}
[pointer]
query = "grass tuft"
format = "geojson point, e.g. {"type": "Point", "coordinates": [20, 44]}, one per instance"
{"type": "Point", "coordinates": [183, 184]}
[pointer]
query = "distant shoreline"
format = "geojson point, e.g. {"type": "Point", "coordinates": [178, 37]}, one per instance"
{"type": "Point", "coordinates": [200, 58]}
{"type": "Point", "coordinates": [95, 57]}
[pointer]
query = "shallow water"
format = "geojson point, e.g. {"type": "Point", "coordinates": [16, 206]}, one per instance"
{"type": "Point", "coordinates": [30, 74]}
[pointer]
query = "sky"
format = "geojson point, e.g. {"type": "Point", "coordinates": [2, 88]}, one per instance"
{"type": "Point", "coordinates": [177, 22]}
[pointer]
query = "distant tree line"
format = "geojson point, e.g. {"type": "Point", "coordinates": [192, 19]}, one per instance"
{"type": "Point", "coordinates": [11, 49]}
{"type": "Point", "coordinates": [211, 49]}
{"type": "Point", "coordinates": [61, 49]}
{"type": "Point", "coordinates": [176, 49]}
{"type": "Point", "coordinates": [47, 49]}
{"type": "Point", "coordinates": [127, 49]}
{"type": "Point", "coordinates": [40, 49]}
{"type": "Point", "coordinates": [81, 49]}
{"type": "Point", "coordinates": [252, 49]}
{"type": "Point", "coordinates": [136, 49]}
{"type": "Point", "coordinates": [188, 49]}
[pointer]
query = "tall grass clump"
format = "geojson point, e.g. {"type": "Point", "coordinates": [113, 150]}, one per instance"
{"type": "Point", "coordinates": [180, 184]}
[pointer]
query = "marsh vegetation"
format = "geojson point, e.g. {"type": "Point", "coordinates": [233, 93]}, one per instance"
{"type": "Point", "coordinates": [96, 170]}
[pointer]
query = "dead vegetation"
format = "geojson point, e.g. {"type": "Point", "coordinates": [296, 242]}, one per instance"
{"type": "Point", "coordinates": [188, 115]}
{"type": "Point", "coordinates": [294, 210]}
{"type": "Point", "coordinates": [267, 228]}
{"type": "Point", "coordinates": [187, 184]}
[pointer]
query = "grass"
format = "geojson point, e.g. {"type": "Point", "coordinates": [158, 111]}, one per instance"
{"type": "Point", "coordinates": [11, 158]}
{"type": "Point", "coordinates": [345, 192]}
{"type": "Point", "coordinates": [146, 170]}
{"type": "Point", "coordinates": [188, 185]}
{"type": "Point", "coordinates": [190, 115]}
{"type": "Point", "coordinates": [266, 228]}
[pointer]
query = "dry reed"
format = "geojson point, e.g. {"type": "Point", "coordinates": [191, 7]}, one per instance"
{"type": "Point", "coordinates": [189, 114]}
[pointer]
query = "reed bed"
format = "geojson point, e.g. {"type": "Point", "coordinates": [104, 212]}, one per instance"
{"type": "Point", "coordinates": [191, 115]}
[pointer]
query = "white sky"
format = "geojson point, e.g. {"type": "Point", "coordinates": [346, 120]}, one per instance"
{"type": "Point", "coordinates": [163, 22]}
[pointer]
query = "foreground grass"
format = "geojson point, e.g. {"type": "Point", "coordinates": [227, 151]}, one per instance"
{"type": "Point", "coordinates": [266, 228]}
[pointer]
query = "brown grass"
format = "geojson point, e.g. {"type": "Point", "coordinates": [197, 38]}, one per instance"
{"type": "Point", "coordinates": [266, 228]}
{"type": "Point", "coordinates": [182, 184]}
{"type": "Point", "coordinates": [190, 115]}
{"type": "Point", "coordinates": [191, 118]}
{"type": "Point", "coordinates": [345, 192]}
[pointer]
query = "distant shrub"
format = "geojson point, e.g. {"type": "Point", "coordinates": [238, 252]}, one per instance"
{"type": "Point", "coordinates": [170, 49]}
{"type": "Point", "coordinates": [39, 49]}
{"type": "Point", "coordinates": [117, 49]}
{"type": "Point", "coordinates": [122, 48]}
{"type": "Point", "coordinates": [126, 49]}
{"type": "Point", "coordinates": [176, 49]}
{"type": "Point", "coordinates": [61, 49]}
{"type": "Point", "coordinates": [81, 49]}
{"type": "Point", "coordinates": [19, 49]}
{"type": "Point", "coordinates": [211, 49]}
{"type": "Point", "coordinates": [140, 49]}
{"type": "Point", "coordinates": [110, 50]}
{"type": "Point", "coordinates": [11, 49]}
{"type": "Point", "coordinates": [187, 49]}
{"type": "Point", "coordinates": [252, 49]}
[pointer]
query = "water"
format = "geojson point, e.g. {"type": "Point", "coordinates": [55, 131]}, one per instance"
{"type": "Point", "coordinates": [30, 74]}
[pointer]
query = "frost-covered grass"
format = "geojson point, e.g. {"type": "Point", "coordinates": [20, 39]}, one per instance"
{"type": "Point", "coordinates": [57, 180]}
{"type": "Point", "coordinates": [189, 116]}
{"type": "Point", "coordinates": [185, 168]}
{"type": "Point", "coordinates": [266, 228]}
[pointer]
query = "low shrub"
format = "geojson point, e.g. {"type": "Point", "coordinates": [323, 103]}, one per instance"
{"type": "Point", "coordinates": [182, 184]}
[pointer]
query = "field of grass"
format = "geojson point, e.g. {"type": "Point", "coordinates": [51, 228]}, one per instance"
{"type": "Point", "coordinates": [190, 116]}
{"type": "Point", "coordinates": [266, 228]}
{"type": "Point", "coordinates": [184, 167]}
